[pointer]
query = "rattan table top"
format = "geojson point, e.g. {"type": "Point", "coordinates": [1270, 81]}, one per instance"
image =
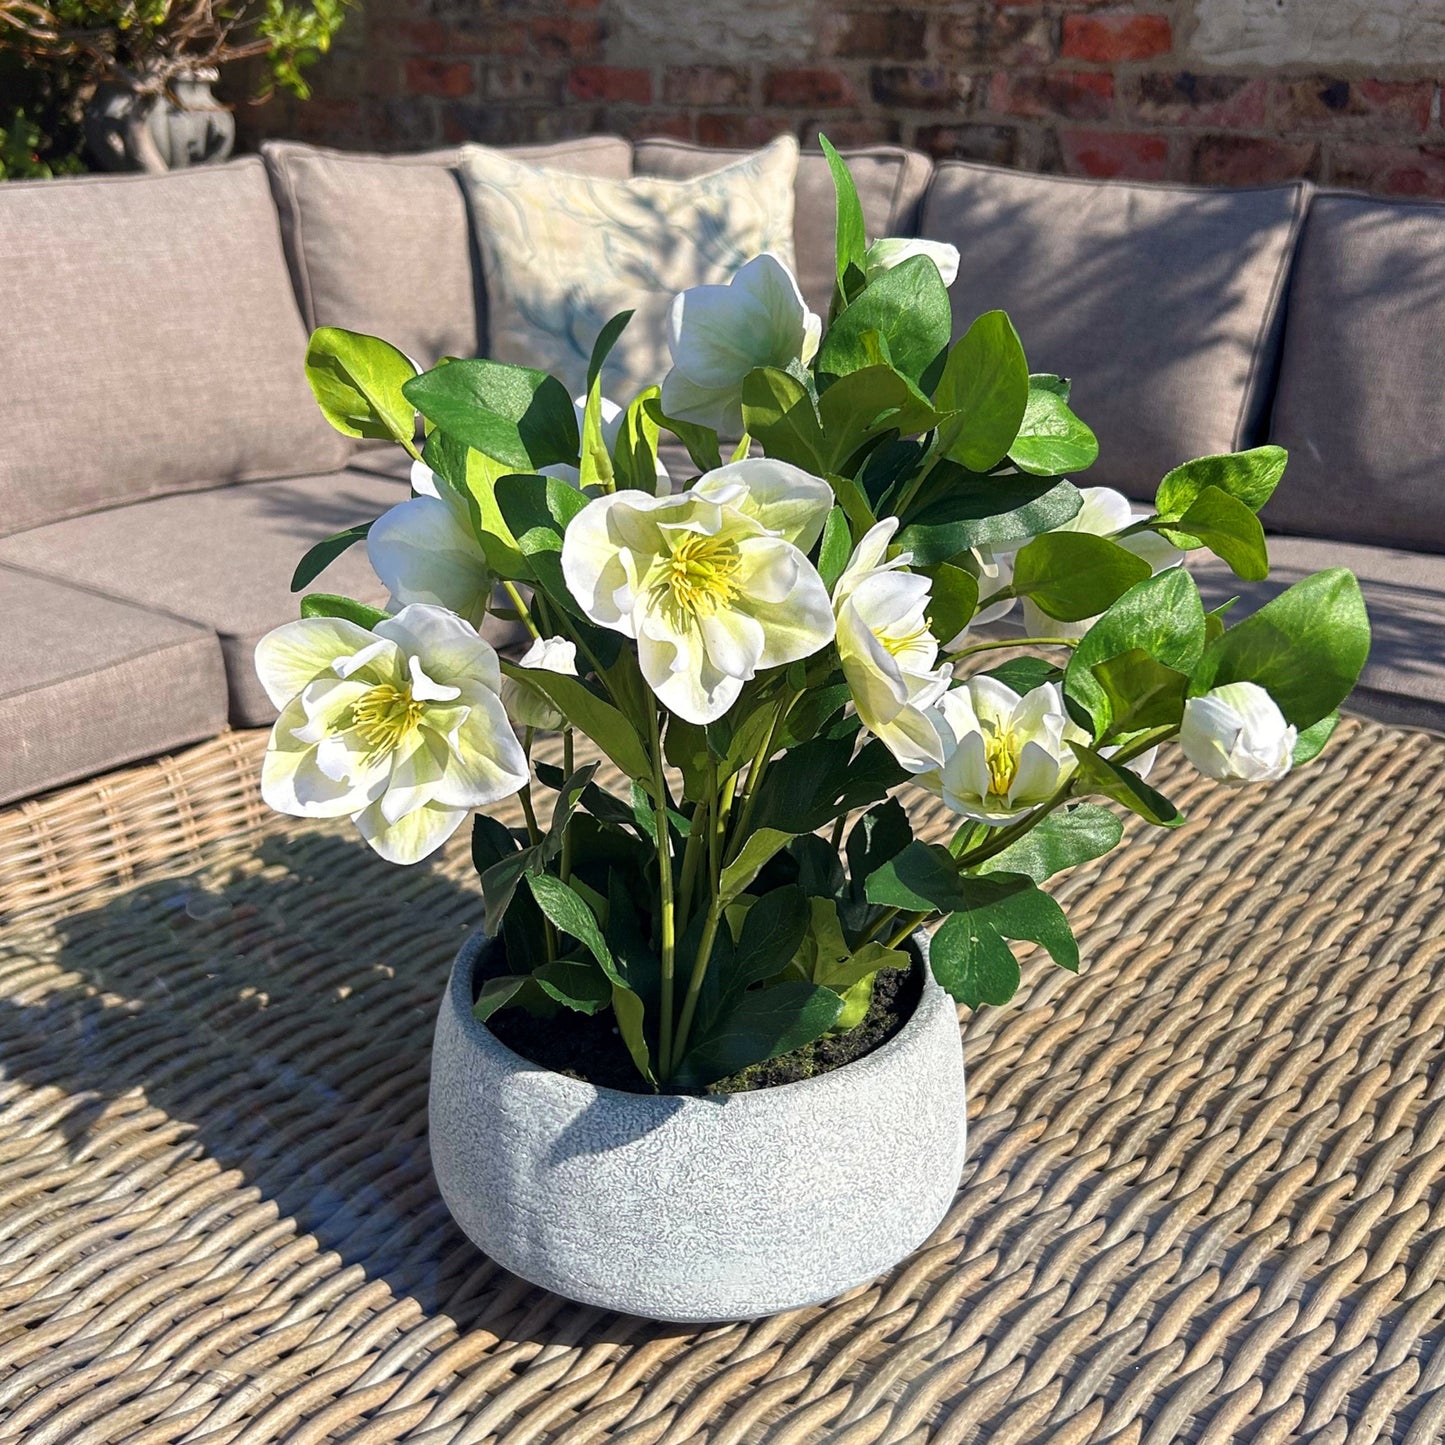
{"type": "Point", "coordinates": [1205, 1198]}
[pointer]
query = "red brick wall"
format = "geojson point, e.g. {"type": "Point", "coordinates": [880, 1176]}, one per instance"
{"type": "Point", "coordinates": [1105, 88]}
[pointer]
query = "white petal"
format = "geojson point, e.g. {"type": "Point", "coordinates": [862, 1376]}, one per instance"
{"type": "Point", "coordinates": [789, 502]}
{"type": "Point", "coordinates": [993, 702]}
{"type": "Point", "coordinates": [894, 250]}
{"type": "Point", "coordinates": [718, 407]}
{"type": "Point", "coordinates": [422, 553]}
{"type": "Point", "coordinates": [733, 642]}
{"type": "Point", "coordinates": [449, 647]}
{"type": "Point", "coordinates": [295, 653]}
{"type": "Point", "coordinates": [412, 838]}
{"type": "Point", "coordinates": [551, 654]}
{"type": "Point", "coordinates": [488, 763]}
{"type": "Point", "coordinates": [291, 783]}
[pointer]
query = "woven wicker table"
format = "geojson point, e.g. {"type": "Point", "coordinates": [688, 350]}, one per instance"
{"type": "Point", "coordinates": [1205, 1198]}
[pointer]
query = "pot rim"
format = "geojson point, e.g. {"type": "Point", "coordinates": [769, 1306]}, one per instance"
{"type": "Point", "coordinates": [931, 1000]}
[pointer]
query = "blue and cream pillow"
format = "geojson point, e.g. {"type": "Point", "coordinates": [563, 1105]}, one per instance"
{"type": "Point", "coordinates": [562, 255]}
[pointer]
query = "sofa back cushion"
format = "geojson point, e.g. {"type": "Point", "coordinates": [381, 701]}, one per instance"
{"type": "Point", "coordinates": [891, 182]}
{"type": "Point", "coordinates": [1359, 405]}
{"type": "Point", "coordinates": [383, 244]}
{"type": "Point", "coordinates": [1162, 303]}
{"type": "Point", "coordinates": [151, 343]}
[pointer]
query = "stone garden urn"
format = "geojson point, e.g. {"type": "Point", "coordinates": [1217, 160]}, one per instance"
{"type": "Point", "coordinates": [131, 130]}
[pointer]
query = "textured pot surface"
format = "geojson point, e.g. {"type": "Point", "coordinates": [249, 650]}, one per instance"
{"type": "Point", "coordinates": [697, 1209]}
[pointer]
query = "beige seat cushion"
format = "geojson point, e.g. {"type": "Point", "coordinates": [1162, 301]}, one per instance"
{"type": "Point", "coordinates": [149, 342]}
{"type": "Point", "coordinates": [1161, 302]}
{"type": "Point", "coordinates": [222, 559]}
{"type": "Point", "coordinates": [562, 256]}
{"type": "Point", "coordinates": [88, 683]}
{"type": "Point", "coordinates": [383, 244]}
{"type": "Point", "coordinates": [1404, 679]}
{"type": "Point", "coordinates": [891, 182]}
{"type": "Point", "coordinates": [1359, 403]}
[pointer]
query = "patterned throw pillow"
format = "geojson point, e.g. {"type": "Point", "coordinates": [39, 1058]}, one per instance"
{"type": "Point", "coordinates": [562, 255]}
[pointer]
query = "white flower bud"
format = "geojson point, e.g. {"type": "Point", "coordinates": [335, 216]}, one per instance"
{"type": "Point", "coordinates": [884, 255]}
{"type": "Point", "coordinates": [528, 706]}
{"type": "Point", "coordinates": [1237, 734]}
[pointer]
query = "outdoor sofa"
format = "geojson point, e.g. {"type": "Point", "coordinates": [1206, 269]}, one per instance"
{"type": "Point", "coordinates": [163, 465]}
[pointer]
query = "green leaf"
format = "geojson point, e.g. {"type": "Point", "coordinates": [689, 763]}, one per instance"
{"type": "Point", "coordinates": [1051, 439]}
{"type": "Point", "coordinates": [864, 405]}
{"type": "Point", "coordinates": [596, 461]}
{"type": "Point", "coordinates": [1311, 742]}
{"type": "Point", "coordinates": [685, 747]}
{"type": "Point", "coordinates": [570, 915]}
{"type": "Point", "coordinates": [962, 511]}
{"type": "Point", "coordinates": [575, 983]}
{"type": "Point", "coordinates": [1250, 476]}
{"type": "Point", "coordinates": [985, 382]}
{"type": "Point", "coordinates": [358, 383]}
{"type": "Point", "coordinates": [852, 240]}
{"type": "Point", "coordinates": [601, 722]}
{"type": "Point", "coordinates": [323, 554]}
{"type": "Point", "coordinates": [908, 307]}
{"type": "Point", "coordinates": [778, 411]}
{"type": "Point", "coordinates": [854, 502]}
{"type": "Point", "coordinates": [972, 963]}
{"type": "Point", "coordinates": [1074, 575]}
{"type": "Point", "coordinates": [1141, 692]}
{"type": "Point", "coordinates": [474, 477]}
{"type": "Point", "coordinates": [631, 1015]}
{"type": "Point", "coordinates": [1061, 386]}
{"type": "Point", "coordinates": [1228, 528]}
{"type": "Point", "coordinates": [836, 548]}
{"type": "Point", "coordinates": [1062, 840]}
{"type": "Point", "coordinates": [499, 884]}
{"type": "Point", "coordinates": [327, 604]}
{"type": "Point", "coordinates": [760, 1025]}
{"type": "Point", "coordinates": [1161, 616]}
{"type": "Point", "coordinates": [760, 846]}
{"type": "Point", "coordinates": [516, 415]}
{"type": "Point", "coordinates": [772, 932]}
{"type": "Point", "coordinates": [952, 602]}
{"type": "Point", "coordinates": [922, 878]}
{"type": "Point", "coordinates": [1024, 674]}
{"type": "Point", "coordinates": [811, 785]}
{"type": "Point", "coordinates": [536, 511]}
{"type": "Point", "coordinates": [1098, 774]}
{"type": "Point", "coordinates": [634, 457]}
{"type": "Point", "coordinates": [701, 441]}
{"type": "Point", "coordinates": [497, 993]}
{"type": "Point", "coordinates": [491, 842]}
{"type": "Point", "coordinates": [879, 836]}
{"type": "Point", "coordinates": [1305, 648]}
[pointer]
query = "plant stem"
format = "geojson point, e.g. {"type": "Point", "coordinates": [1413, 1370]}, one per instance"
{"type": "Point", "coordinates": [534, 837]}
{"type": "Point", "coordinates": [668, 922]}
{"type": "Point", "coordinates": [692, 856]}
{"type": "Point", "coordinates": [756, 771]}
{"type": "Point", "coordinates": [511, 590]}
{"type": "Point", "coordinates": [714, 807]}
{"type": "Point", "coordinates": [1012, 642]}
{"type": "Point", "coordinates": [568, 762]}
{"type": "Point", "coordinates": [840, 823]}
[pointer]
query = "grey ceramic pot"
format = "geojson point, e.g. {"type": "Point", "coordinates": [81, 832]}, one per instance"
{"type": "Point", "coordinates": [697, 1209]}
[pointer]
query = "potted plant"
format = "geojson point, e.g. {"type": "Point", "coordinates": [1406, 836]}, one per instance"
{"type": "Point", "coordinates": [146, 67]}
{"type": "Point", "coordinates": [701, 1061]}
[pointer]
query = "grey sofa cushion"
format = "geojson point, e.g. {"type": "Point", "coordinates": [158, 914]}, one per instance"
{"type": "Point", "coordinates": [383, 244]}
{"type": "Point", "coordinates": [87, 683]}
{"type": "Point", "coordinates": [1359, 403]}
{"type": "Point", "coordinates": [1404, 679]}
{"type": "Point", "coordinates": [222, 559]}
{"type": "Point", "coordinates": [890, 180]}
{"type": "Point", "coordinates": [1161, 302]}
{"type": "Point", "coordinates": [151, 342]}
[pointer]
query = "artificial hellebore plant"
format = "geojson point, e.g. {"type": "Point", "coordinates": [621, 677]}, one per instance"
{"type": "Point", "coordinates": [767, 647]}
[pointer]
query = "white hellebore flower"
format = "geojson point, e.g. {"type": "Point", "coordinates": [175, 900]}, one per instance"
{"type": "Point", "coordinates": [720, 333]}
{"type": "Point", "coordinates": [425, 550]}
{"type": "Point", "coordinates": [1103, 513]}
{"type": "Point", "coordinates": [1237, 734]}
{"type": "Point", "coordinates": [884, 255]}
{"type": "Point", "coordinates": [1004, 754]}
{"type": "Point", "coordinates": [713, 583]}
{"type": "Point", "coordinates": [398, 727]}
{"type": "Point", "coordinates": [888, 653]}
{"type": "Point", "coordinates": [612, 418]}
{"type": "Point", "coordinates": [528, 706]}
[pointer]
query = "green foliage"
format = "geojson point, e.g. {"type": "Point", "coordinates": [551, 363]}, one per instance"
{"type": "Point", "coordinates": [739, 894]}
{"type": "Point", "coordinates": [324, 553]}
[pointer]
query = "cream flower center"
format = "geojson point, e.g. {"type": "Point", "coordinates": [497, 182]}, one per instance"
{"type": "Point", "coordinates": [385, 716]}
{"type": "Point", "coordinates": [1001, 754]}
{"type": "Point", "coordinates": [698, 578]}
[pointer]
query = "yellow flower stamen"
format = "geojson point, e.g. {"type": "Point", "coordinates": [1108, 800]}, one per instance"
{"type": "Point", "coordinates": [385, 716]}
{"type": "Point", "coordinates": [1003, 762]}
{"type": "Point", "coordinates": [900, 642]}
{"type": "Point", "coordinates": [698, 578]}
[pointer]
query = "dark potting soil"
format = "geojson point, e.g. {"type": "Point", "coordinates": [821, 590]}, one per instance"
{"type": "Point", "coordinates": [590, 1048]}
